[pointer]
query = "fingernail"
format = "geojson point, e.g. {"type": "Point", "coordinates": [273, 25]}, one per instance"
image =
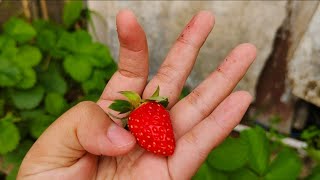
{"type": "Point", "coordinates": [119, 136]}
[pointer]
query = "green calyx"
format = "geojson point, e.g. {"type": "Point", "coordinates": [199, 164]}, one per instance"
{"type": "Point", "coordinates": [134, 101]}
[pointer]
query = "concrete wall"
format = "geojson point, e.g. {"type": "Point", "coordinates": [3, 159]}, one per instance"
{"type": "Point", "coordinates": [285, 33]}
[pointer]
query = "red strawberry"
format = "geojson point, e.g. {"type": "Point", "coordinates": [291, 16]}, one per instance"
{"type": "Point", "coordinates": [151, 125]}
{"type": "Point", "coordinates": [148, 121]}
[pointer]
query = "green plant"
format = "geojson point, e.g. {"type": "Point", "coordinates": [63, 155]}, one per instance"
{"type": "Point", "coordinates": [312, 137]}
{"type": "Point", "coordinates": [45, 68]}
{"type": "Point", "coordinates": [249, 157]}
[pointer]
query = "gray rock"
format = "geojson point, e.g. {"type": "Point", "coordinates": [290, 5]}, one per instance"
{"type": "Point", "coordinates": [236, 22]}
{"type": "Point", "coordinates": [304, 67]}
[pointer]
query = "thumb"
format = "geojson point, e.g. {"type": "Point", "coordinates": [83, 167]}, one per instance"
{"type": "Point", "coordinates": [84, 128]}
{"type": "Point", "coordinates": [97, 133]}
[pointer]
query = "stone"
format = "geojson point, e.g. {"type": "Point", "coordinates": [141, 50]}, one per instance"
{"type": "Point", "coordinates": [301, 15]}
{"type": "Point", "coordinates": [236, 22]}
{"type": "Point", "coordinates": [274, 98]}
{"type": "Point", "coordinates": [304, 67]}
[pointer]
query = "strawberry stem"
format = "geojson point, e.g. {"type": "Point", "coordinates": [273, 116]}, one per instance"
{"type": "Point", "coordinates": [156, 93]}
{"type": "Point", "coordinates": [133, 98]}
{"type": "Point", "coordinates": [134, 101]}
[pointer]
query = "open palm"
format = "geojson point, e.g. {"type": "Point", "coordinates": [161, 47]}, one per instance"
{"type": "Point", "coordinates": [74, 148]}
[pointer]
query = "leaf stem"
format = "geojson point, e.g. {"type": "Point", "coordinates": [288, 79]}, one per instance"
{"type": "Point", "coordinates": [47, 62]}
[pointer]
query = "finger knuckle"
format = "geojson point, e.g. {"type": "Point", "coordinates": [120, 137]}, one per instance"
{"type": "Point", "coordinates": [192, 139]}
{"type": "Point", "coordinates": [196, 100]}
{"type": "Point", "coordinates": [129, 68]}
{"type": "Point", "coordinates": [129, 74]}
{"type": "Point", "coordinates": [224, 75]}
{"type": "Point", "coordinates": [166, 73]}
{"type": "Point", "coordinates": [193, 97]}
{"type": "Point", "coordinates": [86, 107]}
{"type": "Point", "coordinates": [84, 104]}
{"type": "Point", "coordinates": [186, 42]}
{"type": "Point", "coordinates": [218, 123]}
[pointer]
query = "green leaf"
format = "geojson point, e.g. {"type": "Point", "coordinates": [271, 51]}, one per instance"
{"type": "Point", "coordinates": [310, 133]}
{"type": "Point", "coordinates": [10, 75]}
{"type": "Point", "coordinates": [39, 121]}
{"type": "Point", "coordinates": [243, 174]}
{"type": "Point", "coordinates": [23, 128]}
{"type": "Point", "coordinates": [100, 53]}
{"type": "Point", "coordinates": [40, 124]}
{"type": "Point", "coordinates": [55, 104]}
{"type": "Point", "coordinates": [315, 174]}
{"type": "Point", "coordinates": [121, 106]}
{"type": "Point", "coordinates": [230, 155]}
{"type": "Point", "coordinates": [59, 53]}
{"type": "Point", "coordinates": [29, 79]}
{"type": "Point", "coordinates": [258, 149]}
{"type": "Point", "coordinates": [110, 70]}
{"type": "Point", "coordinates": [11, 118]}
{"type": "Point", "coordinates": [8, 48]}
{"type": "Point", "coordinates": [133, 98]}
{"type": "Point", "coordinates": [33, 114]}
{"type": "Point", "coordinates": [286, 166]}
{"type": "Point", "coordinates": [82, 37]}
{"type": "Point", "coordinates": [207, 173]}
{"type": "Point", "coordinates": [27, 99]}
{"type": "Point", "coordinates": [9, 137]}
{"type": "Point", "coordinates": [52, 80]}
{"type": "Point", "coordinates": [2, 104]}
{"type": "Point", "coordinates": [67, 41]}
{"type": "Point", "coordinates": [19, 30]}
{"type": "Point", "coordinates": [184, 93]}
{"type": "Point", "coordinates": [28, 56]}
{"type": "Point", "coordinates": [96, 82]}
{"type": "Point", "coordinates": [47, 37]}
{"type": "Point", "coordinates": [78, 42]}
{"type": "Point", "coordinates": [71, 12]}
{"type": "Point", "coordinates": [156, 93]}
{"type": "Point", "coordinates": [314, 153]}
{"type": "Point", "coordinates": [13, 174]}
{"type": "Point", "coordinates": [90, 97]}
{"type": "Point", "coordinates": [41, 25]}
{"type": "Point", "coordinates": [78, 67]}
{"type": "Point", "coordinates": [3, 41]}
{"type": "Point", "coordinates": [46, 40]}
{"type": "Point", "coordinates": [15, 157]}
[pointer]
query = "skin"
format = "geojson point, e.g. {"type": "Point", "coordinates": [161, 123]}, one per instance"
{"type": "Point", "coordinates": [84, 143]}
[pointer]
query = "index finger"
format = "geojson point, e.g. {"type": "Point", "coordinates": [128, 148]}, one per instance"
{"type": "Point", "coordinates": [133, 66]}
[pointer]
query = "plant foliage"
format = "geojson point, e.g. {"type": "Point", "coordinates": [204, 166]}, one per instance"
{"type": "Point", "coordinates": [45, 68]}
{"type": "Point", "coordinates": [248, 157]}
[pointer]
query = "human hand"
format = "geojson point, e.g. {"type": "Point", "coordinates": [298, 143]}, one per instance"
{"type": "Point", "coordinates": [84, 143]}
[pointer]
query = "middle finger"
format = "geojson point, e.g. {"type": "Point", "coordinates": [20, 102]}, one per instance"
{"type": "Point", "coordinates": [181, 58]}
